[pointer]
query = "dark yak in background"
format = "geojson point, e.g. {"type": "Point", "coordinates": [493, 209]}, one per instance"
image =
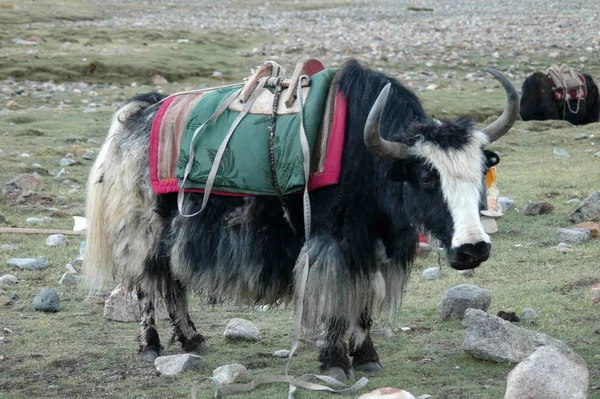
{"type": "Point", "coordinates": [401, 172]}
{"type": "Point", "coordinates": [538, 103]}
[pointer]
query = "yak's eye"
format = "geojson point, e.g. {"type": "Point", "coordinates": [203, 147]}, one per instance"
{"type": "Point", "coordinates": [427, 181]}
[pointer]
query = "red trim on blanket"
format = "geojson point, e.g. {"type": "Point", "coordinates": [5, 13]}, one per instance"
{"type": "Point", "coordinates": [165, 186]}
{"type": "Point", "coordinates": [329, 176]}
{"type": "Point", "coordinates": [333, 160]}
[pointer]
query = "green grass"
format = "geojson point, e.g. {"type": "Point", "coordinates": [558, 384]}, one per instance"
{"type": "Point", "coordinates": [77, 353]}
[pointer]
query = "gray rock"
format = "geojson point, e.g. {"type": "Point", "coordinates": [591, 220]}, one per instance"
{"type": "Point", "coordinates": [574, 201]}
{"type": "Point", "coordinates": [573, 235]}
{"type": "Point", "coordinates": [56, 240]}
{"type": "Point", "coordinates": [581, 137]}
{"type": "Point", "coordinates": [175, 364]}
{"type": "Point", "coordinates": [231, 373]}
{"type": "Point", "coordinates": [528, 316]}
{"type": "Point", "coordinates": [10, 248]}
{"type": "Point", "coordinates": [89, 154]}
{"type": "Point", "coordinates": [597, 154]}
{"type": "Point", "coordinates": [29, 263]}
{"type": "Point", "coordinates": [241, 329]}
{"type": "Point", "coordinates": [506, 203]}
{"type": "Point", "coordinates": [538, 208]}
{"type": "Point", "coordinates": [589, 209]}
{"type": "Point", "coordinates": [561, 153]}
{"type": "Point", "coordinates": [431, 273]}
{"type": "Point", "coordinates": [490, 338]}
{"type": "Point", "coordinates": [549, 373]}
{"type": "Point", "coordinates": [42, 220]}
{"type": "Point", "coordinates": [458, 299]}
{"type": "Point", "coordinates": [68, 162]}
{"type": "Point", "coordinates": [47, 301]}
{"type": "Point", "coordinates": [8, 279]}
{"type": "Point", "coordinates": [23, 182]}
{"type": "Point", "coordinates": [69, 279]}
{"type": "Point", "coordinates": [284, 353]}
{"type": "Point", "coordinates": [14, 296]}
{"type": "Point", "coordinates": [124, 307]}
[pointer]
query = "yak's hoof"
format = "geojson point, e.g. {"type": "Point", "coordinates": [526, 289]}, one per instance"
{"type": "Point", "coordinates": [197, 345]}
{"type": "Point", "coordinates": [338, 373]}
{"type": "Point", "coordinates": [150, 354]}
{"type": "Point", "coordinates": [370, 367]}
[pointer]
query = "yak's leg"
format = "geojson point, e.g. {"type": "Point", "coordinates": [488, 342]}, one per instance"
{"type": "Point", "coordinates": [184, 330]}
{"type": "Point", "coordinates": [150, 347]}
{"type": "Point", "coordinates": [334, 355]}
{"type": "Point", "coordinates": [364, 355]}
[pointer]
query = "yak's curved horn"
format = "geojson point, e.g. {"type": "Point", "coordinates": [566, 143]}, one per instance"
{"type": "Point", "coordinates": [373, 140]}
{"type": "Point", "coordinates": [511, 111]}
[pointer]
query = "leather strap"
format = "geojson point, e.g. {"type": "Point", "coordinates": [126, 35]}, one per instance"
{"type": "Point", "coordinates": [219, 155]}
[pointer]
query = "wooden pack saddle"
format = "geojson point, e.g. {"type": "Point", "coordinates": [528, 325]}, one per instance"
{"type": "Point", "coordinates": [566, 83]}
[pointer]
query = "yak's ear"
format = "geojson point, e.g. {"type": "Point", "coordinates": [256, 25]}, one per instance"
{"type": "Point", "coordinates": [396, 172]}
{"type": "Point", "coordinates": [491, 158]}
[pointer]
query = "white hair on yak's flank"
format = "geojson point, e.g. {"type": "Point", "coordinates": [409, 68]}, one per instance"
{"type": "Point", "coordinates": [123, 227]}
{"type": "Point", "coordinates": [461, 184]}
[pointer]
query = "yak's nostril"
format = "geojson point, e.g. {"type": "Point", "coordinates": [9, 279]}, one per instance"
{"type": "Point", "coordinates": [479, 251]}
{"type": "Point", "coordinates": [469, 256]}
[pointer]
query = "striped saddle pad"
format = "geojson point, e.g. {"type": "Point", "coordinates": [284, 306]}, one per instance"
{"type": "Point", "coordinates": [245, 167]}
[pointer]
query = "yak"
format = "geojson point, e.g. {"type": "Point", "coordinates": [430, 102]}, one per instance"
{"type": "Point", "coordinates": [402, 172]}
{"type": "Point", "coordinates": [539, 103]}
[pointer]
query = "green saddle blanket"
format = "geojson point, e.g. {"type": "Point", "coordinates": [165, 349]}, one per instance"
{"type": "Point", "coordinates": [245, 167]}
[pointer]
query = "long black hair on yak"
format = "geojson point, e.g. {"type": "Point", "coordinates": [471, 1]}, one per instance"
{"type": "Point", "coordinates": [538, 103]}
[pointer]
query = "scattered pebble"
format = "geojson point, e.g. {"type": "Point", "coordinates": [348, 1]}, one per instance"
{"type": "Point", "coordinates": [561, 153]}
{"type": "Point", "coordinates": [283, 353]}
{"type": "Point", "coordinates": [241, 329]}
{"type": "Point", "coordinates": [29, 263]}
{"type": "Point", "coordinates": [47, 301]}
{"type": "Point", "coordinates": [56, 240]}
{"type": "Point", "coordinates": [36, 220]}
{"type": "Point", "coordinates": [431, 273]}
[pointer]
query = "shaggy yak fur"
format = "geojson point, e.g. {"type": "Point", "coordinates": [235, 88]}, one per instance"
{"type": "Point", "coordinates": [364, 229]}
{"type": "Point", "coordinates": [538, 103]}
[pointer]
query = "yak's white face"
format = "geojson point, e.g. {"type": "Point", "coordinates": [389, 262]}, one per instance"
{"type": "Point", "coordinates": [444, 190]}
{"type": "Point", "coordinates": [460, 172]}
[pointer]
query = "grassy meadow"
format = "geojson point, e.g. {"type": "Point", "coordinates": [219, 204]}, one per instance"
{"type": "Point", "coordinates": [76, 353]}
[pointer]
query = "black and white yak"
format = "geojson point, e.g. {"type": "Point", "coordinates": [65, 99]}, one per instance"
{"type": "Point", "coordinates": [402, 172]}
{"type": "Point", "coordinates": [538, 102]}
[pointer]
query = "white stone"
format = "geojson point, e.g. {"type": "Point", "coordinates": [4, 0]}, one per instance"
{"type": "Point", "coordinates": [387, 393]}
{"type": "Point", "coordinates": [231, 373]}
{"type": "Point", "coordinates": [242, 329]}
{"type": "Point", "coordinates": [8, 279]}
{"type": "Point", "coordinates": [549, 373]}
{"type": "Point", "coordinates": [175, 364]}
{"type": "Point", "coordinates": [281, 353]}
{"type": "Point", "coordinates": [561, 153]}
{"type": "Point", "coordinates": [56, 240]}
{"type": "Point", "coordinates": [431, 273]}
